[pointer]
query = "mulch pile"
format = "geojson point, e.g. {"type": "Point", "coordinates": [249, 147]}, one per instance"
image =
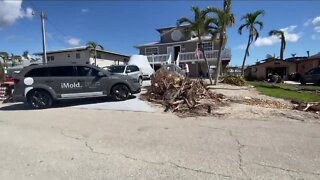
{"type": "Point", "coordinates": [266, 103]}
{"type": "Point", "coordinates": [234, 80]}
{"type": "Point", "coordinates": [182, 95]}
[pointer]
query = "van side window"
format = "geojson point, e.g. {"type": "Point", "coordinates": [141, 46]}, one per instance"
{"type": "Point", "coordinates": [86, 71]}
{"type": "Point", "coordinates": [38, 72]}
{"type": "Point", "coordinates": [61, 71]}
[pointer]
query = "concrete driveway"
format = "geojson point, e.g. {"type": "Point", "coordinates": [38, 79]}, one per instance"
{"type": "Point", "coordinates": [72, 143]}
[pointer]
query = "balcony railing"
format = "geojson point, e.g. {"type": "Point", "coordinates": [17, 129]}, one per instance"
{"type": "Point", "coordinates": [190, 56]}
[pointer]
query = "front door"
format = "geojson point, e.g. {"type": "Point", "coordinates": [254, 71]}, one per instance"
{"type": "Point", "coordinates": [170, 51]}
{"type": "Point", "coordinates": [177, 50]}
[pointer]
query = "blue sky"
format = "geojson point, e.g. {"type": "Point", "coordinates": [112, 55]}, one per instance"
{"type": "Point", "coordinates": [119, 25]}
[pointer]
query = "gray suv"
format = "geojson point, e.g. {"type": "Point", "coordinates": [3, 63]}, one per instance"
{"type": "Point", "coordinates": [312, 76]}
{"type": "Point", "coordinates": [40, 85]}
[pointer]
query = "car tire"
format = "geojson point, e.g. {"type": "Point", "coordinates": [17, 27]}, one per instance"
{"type": "Point", "coordinates": [140, 80]}
{"type": "Point", "coordinates": [40, 99]}
{"type": "Point", "coordinates": [120, 92]}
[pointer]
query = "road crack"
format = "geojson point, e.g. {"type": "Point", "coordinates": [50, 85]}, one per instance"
{"type": "Point", "coordinates": [285, 169]}
{"type": "Point", "coordinates": [240, 158]}
{"type": "Point", "coordinates": [239, 147]}
{"type": "Point", "coordinates": [172, 164]}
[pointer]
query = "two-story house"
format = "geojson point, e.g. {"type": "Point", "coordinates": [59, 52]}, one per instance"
{"type": "Point", "coordinates": [83, 55]}
{"type": "Point", "coordinates": [176, 43]}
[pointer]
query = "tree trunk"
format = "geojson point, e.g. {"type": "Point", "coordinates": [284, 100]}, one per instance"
{"type": "Point", "coordinates": [219, 60]}
{"type": "Point", "coordinates": [245, 56]}
{"type": "Point", "coordinates": [95, 57]}
{"type": "Point", "coordinates": [205, 59]}
{"type": "Point", "coordinates": [281, 50]}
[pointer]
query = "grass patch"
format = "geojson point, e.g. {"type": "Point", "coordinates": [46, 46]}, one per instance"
{"type": "Point", "coordinates": [288, 91]}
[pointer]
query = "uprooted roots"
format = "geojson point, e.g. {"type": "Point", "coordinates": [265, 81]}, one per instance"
{"type": "Point", "coordinates": [182, 95]}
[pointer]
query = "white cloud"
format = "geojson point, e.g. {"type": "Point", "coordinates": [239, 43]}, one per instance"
{"type": "Point", "coordinates": [73, 41]}
{"type": "Point", "coordinates": [289, 34]}
{"type": "Point", "coordinates": [308, 22]}
{"type": "Point", "coordinates": [316, 21]}
{"type": "Point", "coordinates": [317, 29]}
{"type": "Point", "coordinates": [84, 10]}
{"type": "Point", "coordinates": [10, 11]}
{"type": "Point", "coordinates": [266, 41]}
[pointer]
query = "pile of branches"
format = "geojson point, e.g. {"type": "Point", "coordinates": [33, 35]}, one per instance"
{"type": "Point", "coordinates": [234, 80]}
{"type": "Point", "coordinates": [311, 106]}
{"type": "Point", "coordinates": [182, 95]}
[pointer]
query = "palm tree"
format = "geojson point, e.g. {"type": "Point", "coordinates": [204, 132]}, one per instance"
{"type": "Point", "coordinates": [5, 56]}
{"type": "Point", "coordinates": [94, 46]}
{"type": "Point", "coordinates": [25, 55]}
{"type": "Point", "coordinates": [250, 23]}
{"type": "Point", "coordinates": [200, 26]}
{"type": "Point", "coordinates": [224, 18]}
{"type": "Point", "coordinates": [280, 34]}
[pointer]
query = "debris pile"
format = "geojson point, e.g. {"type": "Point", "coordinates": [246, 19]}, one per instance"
{"type": "Point", "coordinates": [312, 107]}
{"type": "Point", "coordinates": [267, 103]}
{"type": "Point", "coordinates": [234, 80]}
{"type": "Point", "coordinates": [182, 95]}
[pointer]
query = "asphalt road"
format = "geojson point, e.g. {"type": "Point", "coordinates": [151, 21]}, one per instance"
{"type": "Point", "coordinates": [72, 143]}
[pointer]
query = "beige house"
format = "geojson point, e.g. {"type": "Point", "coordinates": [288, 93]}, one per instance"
{"type": "Point", "coordinates": [283, 68]}
{"type": "Point", "coordinates": [83, 55]}
{"type": "Point", "coordinates": [177, 44]}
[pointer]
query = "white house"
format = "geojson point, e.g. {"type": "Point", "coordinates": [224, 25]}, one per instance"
{"type": "Point", "coordinates": [83, 55]}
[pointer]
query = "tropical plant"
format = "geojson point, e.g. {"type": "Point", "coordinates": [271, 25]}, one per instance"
{"type": "Point", "coordinates": [25, 54]}
{"type": "Point", "coordinates": [15, 59]}
{"type": "Point", "coordinates": [93, 46]}
{"type": "Point", "coordinates": [200, 26]}
{"type": "Point", "coordinates": [224, 18]}
{"type": "Point", "coordinates": [5, 56]}
{"type": "Point", "coordinates": [280, 34]}
{"type": "Point", "coordinates": [251, 21]}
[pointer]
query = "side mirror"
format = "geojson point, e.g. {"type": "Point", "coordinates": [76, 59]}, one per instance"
{"type": "Point", "coordinates": [101, 74]}
{"type": "Point", "coordinates": [128, 71]}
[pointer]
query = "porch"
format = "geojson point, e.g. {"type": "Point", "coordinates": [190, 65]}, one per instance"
{"type": "Point", "coordinates": [185, 57]}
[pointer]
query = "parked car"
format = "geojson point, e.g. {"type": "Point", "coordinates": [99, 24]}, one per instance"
{"type": "Point", "coordinates": [129, 70]}
{"type": "Point", "coordinates": [312, 76]}
{"type": "Point", "coordinates": [40, 85]}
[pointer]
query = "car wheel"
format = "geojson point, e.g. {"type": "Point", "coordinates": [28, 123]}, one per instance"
{"type": "Point", "coordinates": [120, 92]}
{"type": "Point", "coordinates": [40, 99]}
{"type": "Point", "coordinates": [140, 81]}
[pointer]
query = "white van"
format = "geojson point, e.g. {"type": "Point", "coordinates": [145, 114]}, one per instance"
{"type": "Point", "coordinates": [142, 62]}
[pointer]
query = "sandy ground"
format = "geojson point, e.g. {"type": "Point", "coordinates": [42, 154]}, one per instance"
{"type": "Point", "coordinates": [246, 142]}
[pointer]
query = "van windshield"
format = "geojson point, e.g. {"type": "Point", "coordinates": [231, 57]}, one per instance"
{"type": "Point", "coordinates": [116, 69]}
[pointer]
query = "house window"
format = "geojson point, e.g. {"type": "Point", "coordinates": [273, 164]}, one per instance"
{"type": "Point", "coordinates": [152, 50]}
{"type": "Point", "coordinates": [50, 58]}
{"type": "Point", "coordinates": [207, 46]}
{"type": "Point", "coordinates": [99, 55]}
{"type": "Point", "coordinates": [77, 55]}
{"type": "Point", "coordinates": [68, 55]}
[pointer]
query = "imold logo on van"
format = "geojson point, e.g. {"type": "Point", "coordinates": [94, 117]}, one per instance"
{"type": "Point", "coordinates": [70, 85]}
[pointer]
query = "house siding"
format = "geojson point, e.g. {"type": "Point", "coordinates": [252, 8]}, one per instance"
{"type": "Point", "coordinates": [166, 37]}
{"type": "Point", "coordinates": [305, 65]}
{"type": "Point", "coordinates": [105, 59]}
{"type": "Point", "coordinates": [185, 47]}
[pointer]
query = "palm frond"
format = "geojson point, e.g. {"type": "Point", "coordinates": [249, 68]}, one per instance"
{"type": "Point", "coordinates": [184, 20]}
{"type": "Point", "coordinates": [241, 27]}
